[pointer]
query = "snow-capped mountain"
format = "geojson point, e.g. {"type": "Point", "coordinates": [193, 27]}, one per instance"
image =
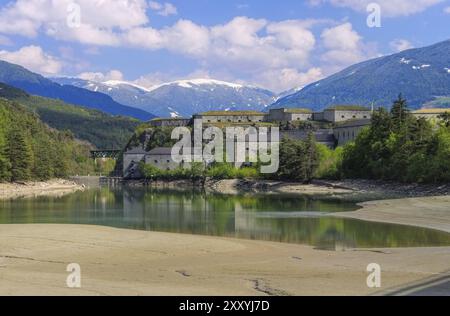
{"type": "Point", "coordinates": [422, 75]}
{"type": "Point", "coordinates": [181, 98]}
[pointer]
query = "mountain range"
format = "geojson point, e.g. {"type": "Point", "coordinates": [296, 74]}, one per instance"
{"type": "Point", "coordinates": [19, 77]}
{"type": "Point", "coordinates": [181, 98]}
{"type": "Point", "coordinates": [421, 75]}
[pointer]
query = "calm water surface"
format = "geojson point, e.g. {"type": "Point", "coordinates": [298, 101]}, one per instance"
{"type": "Point", "coordinates": [265, 217]}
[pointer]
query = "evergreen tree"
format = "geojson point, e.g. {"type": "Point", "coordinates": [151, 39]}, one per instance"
{"type": "Point", "coordinates": [5, 166]}
{"type": "Point", "coordinates": [43, 164]}
{"type": "Point", "coordinates": [311, 161]}
{"type": "Point", "coordinates": [19, 154]}
{"type": "Point", "coordinates": [400, 113]}
{"type": "Point", "coordinates": [298, 159]}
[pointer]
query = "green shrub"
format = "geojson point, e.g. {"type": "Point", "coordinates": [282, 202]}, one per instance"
{"type": "Point", "coordinates": [330, 163]}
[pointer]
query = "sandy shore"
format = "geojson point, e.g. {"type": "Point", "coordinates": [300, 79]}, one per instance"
{"type": "Point", "coordinates": [33, 261]}
{"type": "Point", "coordinates": [33, 258]}
{"type": "Point", "coordinates": [428, 212]}
{"type": "Point", "coordinates": [55, 187]}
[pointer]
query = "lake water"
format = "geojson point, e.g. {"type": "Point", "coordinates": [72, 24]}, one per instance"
{"type": "Point", "coordinates": [282, 218]}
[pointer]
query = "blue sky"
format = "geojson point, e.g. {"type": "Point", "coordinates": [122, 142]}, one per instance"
{"type": "Point", "coordinates": [277, 45]}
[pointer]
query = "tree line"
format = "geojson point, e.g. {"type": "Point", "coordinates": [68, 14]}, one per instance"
{"type": "Point", "coordinates": [30, 150]}
{"type": "Point", "coordinates": [398, 146]}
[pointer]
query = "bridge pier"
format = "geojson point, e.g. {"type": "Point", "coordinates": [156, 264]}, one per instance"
{"type": "Point", "coordinates": [111, 181]}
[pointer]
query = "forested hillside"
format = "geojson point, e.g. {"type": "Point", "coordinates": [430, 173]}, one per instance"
{"type": "Point", "coordinates": [100, 129]}
{"type": "Point", "coordinates": [29, 150]}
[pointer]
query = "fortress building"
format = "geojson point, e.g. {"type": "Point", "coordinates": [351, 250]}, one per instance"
{"type": "Point", "coordinates": [345, 113]}
{"type": "Point", "coordinates": [231, 117]}
{"type": "Point", "coordinates": [334, 126]}
{"type": "Point", "coordinates": [430, 113]}
{"type": "Point", "coordinates": [289, 115]}
{"type": "Point", "coordinates": [349, 131]}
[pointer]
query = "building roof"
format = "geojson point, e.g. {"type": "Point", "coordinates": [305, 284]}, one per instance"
{"type": "Point", "coordinates": [158, 119]}
{"type": "Point", "coordinates": [231, 113]}
{"type": "Point", "coordinates": [295, 110]}
{"type": "Point", "coordinates": [431, 111]}
{"type": "Point", "coordinates": [160, 151]}
{"type": "Point", "coordinates": [353, 123]}
{"type": "Point", "coordinates": [348, 108]}
{"type": "Point", "coordinates": [299, 111]}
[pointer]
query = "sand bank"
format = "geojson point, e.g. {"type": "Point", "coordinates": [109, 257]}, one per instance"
{"type": "Point", "coordinates": [428, 212]}
{"type": "Point", "coordinates": [55, 187]}
{"type": "Point", "coordinates": [33, 261]}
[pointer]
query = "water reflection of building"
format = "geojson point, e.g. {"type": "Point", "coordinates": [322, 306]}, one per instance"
{"type": "Point", "coordinates": [247, 225]}
{"type": "Point", "coordinates": [194, 213]}
{"type": "Point", "coordinates": [172, 212]}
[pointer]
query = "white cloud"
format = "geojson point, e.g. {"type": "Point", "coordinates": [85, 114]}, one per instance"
{"type": "Point", "coordinates": [447, 10]}
{"type": "Point", "coordinates": [399, 45]}
{"type": "Point", "coordinates": [242, 42]}
{"type": "Point", "coordinates": [184, 37]}
{"type": "Point", "coordinates": [100, 77]}
{"type": "Point", "coordinates": [341, 37]}
{"type": "Point", "coordinates": [389, 8]}
{"type": "Point", "coordinates": [343, 46]}
{"type": "Point", "coordinates": [163, 9]}
{"type": "Point", "coordinates": [34, 59]}
{"type": "Point", "coordinates": [276, 55]}
{"type": "Point", "coordinates": [242, 48]}
{"type": "Point", "coordinates": [98, 19]}
{"type": "Point", "coordinates": [285, 79]}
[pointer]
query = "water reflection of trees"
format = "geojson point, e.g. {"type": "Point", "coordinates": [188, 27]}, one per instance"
{"type": "Point", "coordinates": [193, 212]}
{"type": "Point", "coordinates": [239, 216]}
